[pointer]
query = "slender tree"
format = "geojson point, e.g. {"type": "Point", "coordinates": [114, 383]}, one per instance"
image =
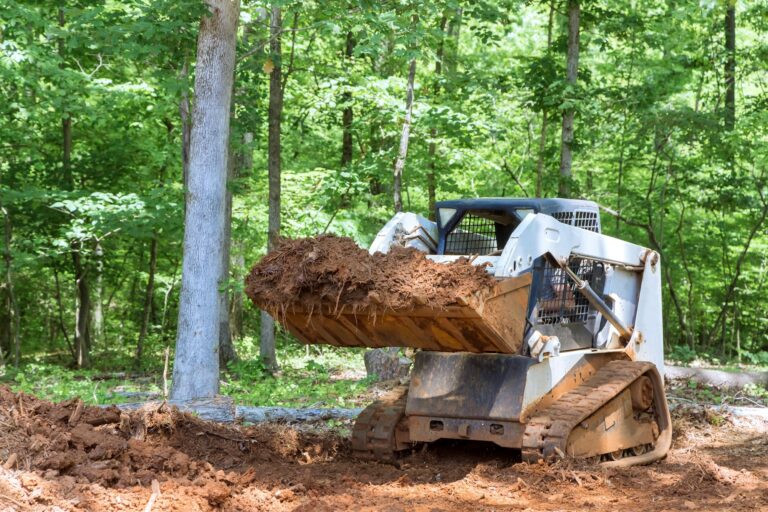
{"type": "Point", "coordinates": [149, 293]}
{"type": "Point", "coordinates": [13, 305]}
{"type": "Point", "coordinates": [82, 307]}
{"type": "Point", "coordinates": [245, 163]}
{"type": "Point", "coordinates": [227, 351]}
{"type": "Point", "coordinates": [98, 310]}
{"type": "Point", "coordinates": [544, 113]}
{"type": "Point", "coordinates": [432, 148]}
{"type": "Point", "coordinates": [572, 68]}
{"type": "Point", "coordinates": [267, 344]}
{"type": "Point", "coordinates": [403, 148]}
{"type": "Point", "coordinates": [186, 126]}
{"type": "Point", "coordinates": [347, 115]}
{"type": "Point", "coordinates": [196, 368]}
{"type": "Point", "coordinates": [82, 300]}
{"type": "Point", "coordinates": [730, 65]}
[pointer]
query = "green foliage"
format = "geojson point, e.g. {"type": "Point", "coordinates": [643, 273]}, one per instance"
{"type": "Point", "coordinates": [334, 378]}
{"type": "Point", "coordinates": [756, 390]}
{"type": "Point", "coordinates": [757, 358]}
{"type": "Point", "coordinates": [57, 383]}
{"type": "Point", "coordinates": [682, 353]}
{"type": "Point", "coordinates": [310, 385]}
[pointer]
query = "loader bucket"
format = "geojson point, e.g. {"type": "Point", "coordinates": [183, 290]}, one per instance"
{"type": "Point", "coordinates": [490, 321]}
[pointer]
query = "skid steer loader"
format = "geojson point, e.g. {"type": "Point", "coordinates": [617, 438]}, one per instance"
{"type": "Point", "coordinates": [562, 358]}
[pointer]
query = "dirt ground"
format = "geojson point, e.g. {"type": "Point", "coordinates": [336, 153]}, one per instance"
{"type": "Point", "coordinates": [62, 457]}
{"type": "Point", "coordinates": [331, 270]}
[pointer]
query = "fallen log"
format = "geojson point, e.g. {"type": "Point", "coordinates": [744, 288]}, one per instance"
{"type": "Point", "coordinates": [717, 378]}
{"type": "Point", "coordinates": [223, 410]}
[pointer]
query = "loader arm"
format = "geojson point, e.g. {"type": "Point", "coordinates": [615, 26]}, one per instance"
{"type": "Point", "coordinates": [632, 283]}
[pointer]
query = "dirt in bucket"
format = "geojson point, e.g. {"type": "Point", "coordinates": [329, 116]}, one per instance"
{"type": "Point", "coordinates": [331, 270]}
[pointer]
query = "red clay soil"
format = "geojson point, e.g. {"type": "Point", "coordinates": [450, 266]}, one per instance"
{"type": "Point", "coordinates": [65, 457]}
{"type": "Point", "coordinates": [336, 272]}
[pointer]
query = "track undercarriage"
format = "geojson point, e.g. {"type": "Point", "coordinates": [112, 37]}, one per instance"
{"type": "Point", "coordinates": [618, 417]}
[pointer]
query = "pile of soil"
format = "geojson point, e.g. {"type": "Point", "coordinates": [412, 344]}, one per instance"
{"type": "Point", "coordinates": [78, 446]}
{"type": "Point", "coordinates": [67, 457]}
{"type": "Point", "coordinates": [334, 271]}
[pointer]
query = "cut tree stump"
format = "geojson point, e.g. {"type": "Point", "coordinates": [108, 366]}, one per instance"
{"type": "Point", "coordinates": [386, 364]}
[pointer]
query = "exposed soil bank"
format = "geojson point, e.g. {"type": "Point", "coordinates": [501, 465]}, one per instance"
{"type": "Point", "coordinates": [335, 271]}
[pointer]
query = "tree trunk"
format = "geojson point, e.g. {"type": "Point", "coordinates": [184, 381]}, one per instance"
{"type": "Point", "coordinates": [730, 65]}
{"type": "Point", "coordinates": [98, 312]}
{"type": "Point", "coordinates": [236, 306]}
{"type": "Point", "coordinates": [6, 343]}
{"type": "Point", "coordinates": [238, 260]}
{"type": "Point", "coordinates": [544, 114]}
{"type": "Point", "coordinates": [347, 114]}
{"type": "Point", "coordinates": [432, 149]}
{"type": "Point", "coordinates": [572, 68]}
{"type": "Point", "coordinates": [82, 308]}
{"type": "Point", "coordinates": [164, 334]}
{"type": "Point", "coordinates": [13, 306]}
{"type": "Point", "coordinates": [62, 325]}
{"type": "Point", "coordinates": [196, 368]}
{"type": "Point", "coordinates": [149, 293]}
{"type": "Point", "coordinates": [226, 348]}
{"type": "Point", "coordinates": [186, 128]}
{"type": "Point", "coordinates": [403, 151]}
{"type": "Point", "coordinates": [66, 121]}
{"type": "Point", "coordinates": [454, 33]}
{"type": "Point", "coordinates": [267, 341]}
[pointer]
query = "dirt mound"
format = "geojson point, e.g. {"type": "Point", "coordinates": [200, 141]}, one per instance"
{"type": "Point", "coordinates": [114, 448]}
{"type": "Point", "coordinates": [331, 270]}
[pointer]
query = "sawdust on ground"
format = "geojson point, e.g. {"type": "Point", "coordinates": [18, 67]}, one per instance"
{"type": "Point", "coordinates": [66, 457]}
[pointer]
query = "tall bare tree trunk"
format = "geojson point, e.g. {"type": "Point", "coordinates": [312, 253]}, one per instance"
{"type": "Point", "coordinates": [149, 293]}
{"type": "Point", "coordinates": [267, 342]}
{"type": "Point", "coordinates": [196, 368]}
{"type": "Point", "coordinates": [544, 114]}
{"type": "Point", "coordinates": [403, 150]}
{"type": "Point", "coordinates": [347, 115]}
{"type": "Point", "coordinates": [730, 65]}
{"type": "Point", "coordinates": [572, 68]}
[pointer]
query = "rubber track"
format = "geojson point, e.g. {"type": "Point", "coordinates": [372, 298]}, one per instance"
{"type": "Point", "coordinates": [546, 434]}
{"type": "Point", "coordinates": [373, 436]}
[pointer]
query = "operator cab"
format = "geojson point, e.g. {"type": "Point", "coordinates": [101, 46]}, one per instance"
{"type": "Point", "coordinates": [483, 226]}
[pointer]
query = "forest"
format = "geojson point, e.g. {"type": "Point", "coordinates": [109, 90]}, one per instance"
{"type": "Point", "coordinates": [655, 110]}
